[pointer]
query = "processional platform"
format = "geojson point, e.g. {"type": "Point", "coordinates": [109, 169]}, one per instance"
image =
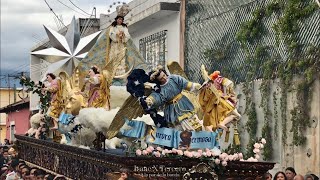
{"type": "Point", "coordinates": [79, 163]}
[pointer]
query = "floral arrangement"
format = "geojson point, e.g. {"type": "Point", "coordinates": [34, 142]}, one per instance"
{"type": "Point", "coordinates": [214, 154]}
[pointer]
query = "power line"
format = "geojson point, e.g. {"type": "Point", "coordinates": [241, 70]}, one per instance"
{"type": "Point", "coordinates": [80, 8]}
{"type": "Point", "coordinates": [14, 68]}
{"type": "Point", "coordinates": [71, 8]}
{"type": "Point", "coordinates": [19, 69]}
{"type": "Point", "coordinates": [54, 13]}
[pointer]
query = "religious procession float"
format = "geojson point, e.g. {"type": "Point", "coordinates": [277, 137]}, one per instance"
{"type": "Point", "coordinates": [167, 128]}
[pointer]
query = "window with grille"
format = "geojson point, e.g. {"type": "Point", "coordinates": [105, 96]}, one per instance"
{"type": "Point", "coordinates": [153, 48]}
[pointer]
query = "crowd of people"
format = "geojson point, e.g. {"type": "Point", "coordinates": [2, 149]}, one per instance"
{"type": "Point", "coordinates": [290, 174]}
{"type": "Point", "coordinates": [12, 168]}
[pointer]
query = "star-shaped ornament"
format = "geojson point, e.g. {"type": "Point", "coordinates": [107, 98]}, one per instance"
{"type": "Point", "coordinates": [136, 83]}
{"type": "Point", "coordinates": [66, 51]}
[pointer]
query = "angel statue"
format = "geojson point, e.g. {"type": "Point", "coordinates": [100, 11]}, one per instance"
{"type": "Point", "coordinates": [172, 92]}
{"type": "Point", "coordinates": [56, 101]}
{"type": "Point", "coordinates": [64, 98]}
{"type": "Point", "coordinates": [95, 89]}
{"type": "Point", "coordinates": [218, 100]}
{"type": "Point", "coordinates": [179, 111]}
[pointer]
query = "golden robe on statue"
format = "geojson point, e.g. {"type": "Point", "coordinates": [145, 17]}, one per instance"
{"type": "Point", "coordinates": [216, 102]}
{"type": "Point", "coordinates": [97, 96]}
{"type": "Point", "coordinates": [56, 102]}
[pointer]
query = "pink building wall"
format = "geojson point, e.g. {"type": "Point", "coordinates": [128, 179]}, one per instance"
{"type": "Point", "coordinates": [21, 122]}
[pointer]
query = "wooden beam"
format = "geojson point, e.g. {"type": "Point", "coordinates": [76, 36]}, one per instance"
{"type": "Point", "coordinates": [182, 31]}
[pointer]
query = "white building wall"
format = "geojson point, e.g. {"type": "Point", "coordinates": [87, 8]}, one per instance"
{"type": "Point", "coordinates": [139, 14]}
{"type": "Point", "coordinates": [170, 23]}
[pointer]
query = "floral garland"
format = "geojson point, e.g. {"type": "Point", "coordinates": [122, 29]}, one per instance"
{"type": "Point", "coordinates": [214, 154]}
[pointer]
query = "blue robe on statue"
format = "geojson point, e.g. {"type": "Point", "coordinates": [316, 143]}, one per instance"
{"type": "Point", "coordinates": [177, 107]}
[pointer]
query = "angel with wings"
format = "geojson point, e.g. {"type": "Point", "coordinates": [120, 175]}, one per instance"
{"type": "Point", "coordinates": [179, 111]}
{"type": "Point", "coordinates": [96, 92]}
{"type": "Point", "coordinates": [172, 93]}
{"type": "Point", "coordinates": [56, 101]}
{"type": "Point", "coordinates": [218, 101]}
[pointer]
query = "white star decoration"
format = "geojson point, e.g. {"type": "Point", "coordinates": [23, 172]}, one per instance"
{"type": "Point", "coordinates": [66, 51]}
{"type": "Point", "coordinates": [136, 83]}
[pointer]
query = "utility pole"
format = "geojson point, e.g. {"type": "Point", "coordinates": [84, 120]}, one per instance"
{"type": "Point", "coordinates": [14, 93]}
{"type": "Point", "coordinates": [9, 88]}
{"type": "Point", "coordinates": [14, 87]}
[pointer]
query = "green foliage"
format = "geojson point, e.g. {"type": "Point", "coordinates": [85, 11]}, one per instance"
{"type": "Point", "coordinates": [252, 123]}
{"type": "Point", "coordinates": [287, 26]}
{"type": "Point", "coordinates": [250, 148]}
{"type": "Point", "coordinates": [265, 90]}
{"type": "Point", "coordinates": [217, 54]}
{"type": "Point", "coordinates": [291, 13]}
{"type": "Point", "coordinates": [252, 29]}
{"type": "Point", "coordinates": [267, 150]}
{"type": "Point", "coordinates": [233, 148]}
{"type": "Point", "coordinates": [37, 88]}
{"type": "Point", "coordinates": [275, 115]}
{"type": "Point", "coordinates": [300, 114]}
{"type": "Point", "coordinates": [274, 6]}
{"type": "Point", "coordinates": [283, 108]}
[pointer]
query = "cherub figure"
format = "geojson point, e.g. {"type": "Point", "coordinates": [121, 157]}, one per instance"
{"type": "Point", "coordinates": [218, 101]}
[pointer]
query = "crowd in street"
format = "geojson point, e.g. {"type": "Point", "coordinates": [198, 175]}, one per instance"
{"type": "Point", "coordinates": [290, 174]}
{"type": "Point", "coordinates": [12, 168]}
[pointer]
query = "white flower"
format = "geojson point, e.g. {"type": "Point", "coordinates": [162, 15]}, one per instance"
{"type": "Point", "coordinates": [240, 156]}
{"type": "Point", "coordinates": [180, 152]}
{"type": "Point", "coordinates": [224, 163]}
{"type": "Point", "coordinates": [261, 146]}
{"type": "Point", "coordinates": [230, 157]}
{"type": "Point", "coordinates": [208, 153]}
{"type": "Point", "coordinates": [256, 150]}
{"type": "Point", "coordinates": [236, 156]}
{"type": "Point", "coordinates": [216, 151]}
{"type": "Point", "coordinates": [223, 156]}
{"type": "Point", "coordinates": [217, 161]}
{"type": "Point", "coordinates": [263, 141]}
{"type": "Point", "coordinates": [256, 145]}
{"type": "Point", "coordinates": [138, 152]}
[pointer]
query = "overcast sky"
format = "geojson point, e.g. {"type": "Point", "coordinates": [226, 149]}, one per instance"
{"type": "Point", "coordinates": [23, 19]}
